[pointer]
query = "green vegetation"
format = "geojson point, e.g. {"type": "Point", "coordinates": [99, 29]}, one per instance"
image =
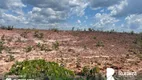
{"type": "Point", "coordinates": [55, 29]}
{"type": "Point", "coordinates": [42, 70]}
{"type": "Point", "coordinates": [78, 65]}
{"type": "Point", "coordinates": [72, 28]}
{"type": "Point", "coordinates": [94, 37]}
{"type": "Point", "coordinates": [38, 34]}
{"type": "Point", "coordinates": [112, 31]}
{"type": "Point", "coordinates": [28, 49]}
{"type": "Point", "coordinates": [92, 74]}
{"type": "Point", "coordinates": [85, 71]}
{"type": "Point", "coordinates": [90, 29]}
{"type": "Point", "coordinates": [24, 34]}
{"type": "Point", "coordinates": [1, 46]}
{"type": "Point", "coordinates": [11, 58]}
{"type": "Point", "coordinates": [43, 47]}
{"type": "Point", "coordinates": [99, 44]}
{"type": "Point", "coordinates": [39, 69]}
{"type": "Point", "coordinates": [55, 45]}
{"type": "Point", "coordinates": [132, 32]}
{"type": "Point", "coordinates": [3, 37]}
{"type": "Point", "coordinates": [7, 27]}
{"type": "Point", "coordinates": [138, 46]}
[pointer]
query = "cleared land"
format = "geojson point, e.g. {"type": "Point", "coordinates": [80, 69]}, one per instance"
{"type": "Point", "coordinates": [72, 49]}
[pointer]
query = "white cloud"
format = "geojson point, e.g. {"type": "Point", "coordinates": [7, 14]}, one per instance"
{"type": "Point", "coordinates": [53, 11]}
{"type": "Point", "coordinates": [78, 21]}
{"type": "Point", "coordinates": [133, 23]}
{"type": "Point", "coordinates": [104, 21]}
{"type": "Point", "coordinates": [126, 7]}
{"type": "Point", "coordinates": [11, 12]}
{"type": "Point", "coordinates": [103, 3]}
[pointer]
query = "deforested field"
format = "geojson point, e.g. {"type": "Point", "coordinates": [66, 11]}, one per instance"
{"type": "Point", "coordinates": [72, 49]}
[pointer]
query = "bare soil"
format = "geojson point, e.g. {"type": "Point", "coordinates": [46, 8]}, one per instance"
{"type": "Point", "coordinates": [76, 49]}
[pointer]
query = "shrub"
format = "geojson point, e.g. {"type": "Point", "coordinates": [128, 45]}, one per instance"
{"type": "Point", "coordinates": [39, 35]}
{"type": "Point", "coordinates": [54, 29]}
{"type": "Point", "coordinates": [92, 74]}
{"type": "Point", "coordinates": [43, 47]}
{"type": "Point", "coordinates": [1, 46]}
{"type": "Point", "coordinates": [40, 69]}
{"type": "Point", "coordinates": [3, 37]}
{"type": "Point", "coordinates": [10, 28]}
{"type": "Point", "coordinates": [55, 45]}
{"type": "Point", "coordinates": [7, 27]}
{"type": "Point", "coordinates": [94, 37]}
{"type": "Point", "coordinates": [72, 28]}
{"type": "Point", "coordinates": [112, 31]}
{"type": "Point", "coordinates": [132, 32]}
{"type": "Point", "coordinates": [28, 49]}
{"type": "Point", "coordinates": [24, 34]}
{"type": "Point", "coordinates": [100, 44]}
{"type": "Point", "coordinates": [78, 64]}
{"type": "Point", "coordinates": [11, 58]}
{"type": "Point", "coordinates": [89, 29]}
{"type": "Point", "coordinates": [138, 46]}
{"type": "Point", "coordinates": [85, 71]}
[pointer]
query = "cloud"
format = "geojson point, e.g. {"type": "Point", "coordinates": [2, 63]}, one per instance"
{"type": "Point", "coordinates": [114, 14]}
{"type": "Point", "coordinates": [46, 15]}
{"type": "Point", "coordinates": [78, 21]}
{"type": "Point", "coordinates": [126, 7]}
{"type": "Point", "coordinates": [104, 22]}
{"type": "Point", "coordinates": [11, 12]}
{"type": "Point", "coordinates": [44, 12]}
{"type": "Point", "coordinates": [13, 5]}
{"type": "Point", "coordinates": [54, 4]}
{"type": "Point", "coordinates": [107, 22]}
{"type": "Point", "coordinates": [103, 3]}
{"type": "Point", "coordinates": [133, 23]}
{"type": "Point", "coordinates": [63, 5]}
{"type": "Point", "coordinates": [53, 11]}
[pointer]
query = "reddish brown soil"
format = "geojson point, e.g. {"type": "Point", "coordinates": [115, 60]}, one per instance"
{"type": "Point", "coordinates": [74, 48]}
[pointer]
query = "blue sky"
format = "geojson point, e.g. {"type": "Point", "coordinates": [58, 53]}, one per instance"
{"type": "Point", "coordinates": [120, 15]}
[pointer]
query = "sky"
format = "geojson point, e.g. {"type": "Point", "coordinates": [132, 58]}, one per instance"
{"type": "Point", "coordinates": [118, 15]}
